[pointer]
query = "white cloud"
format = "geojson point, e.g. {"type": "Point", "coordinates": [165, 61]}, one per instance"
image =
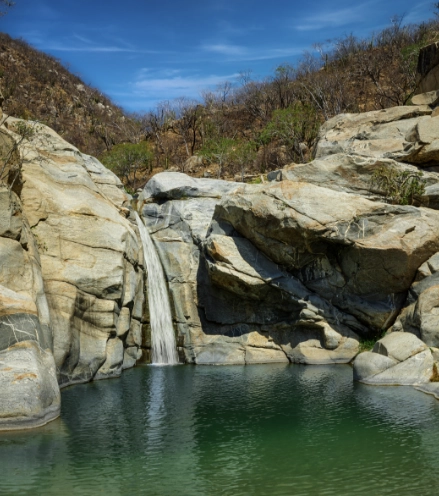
{"type": "Point", "coordinates": [334, 18]}
{"type": "Point", "coordinates": [225, 49]}
{"type": "Point", "coordinates": [59, 47]}
{"type": "Point", "coordinates": [167, 88]}
{"type": "Point", "coordinates": [67, 47]}
{"type": "Point", "coordinates": [237, 53]}
{"type": "Point", "coordinates": [80, 43]}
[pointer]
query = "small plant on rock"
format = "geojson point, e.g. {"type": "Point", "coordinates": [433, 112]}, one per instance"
{"type": "Point", "coordinates": [399, 187]}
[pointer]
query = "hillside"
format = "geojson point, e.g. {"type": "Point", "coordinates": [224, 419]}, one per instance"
{"type": "Point", "coordinates": [248, 129]}
{"type": "Point", "coordinates": [239, 130]}
{"type": "Point", "coordinates": [37, 86]}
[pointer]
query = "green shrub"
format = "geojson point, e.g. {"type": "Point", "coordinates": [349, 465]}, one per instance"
{"type": "Point", "coordinates": [399, 187]}
{"type": "Point", "coordinates": [127, 159]}
{"type": "Point", "coordinates": [290, 127]}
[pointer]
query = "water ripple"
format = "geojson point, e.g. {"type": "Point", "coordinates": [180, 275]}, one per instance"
{"type": "Point", "coordinates": [254, 430]}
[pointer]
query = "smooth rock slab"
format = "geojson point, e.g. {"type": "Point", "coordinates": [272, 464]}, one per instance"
{"type": "Point", "coordinates": [217, 353]}
{"type": "Point", "coordinates": [311, 353]}
{"type": "Point", "coordinates": [428, 98]}
{"type": "Point", "coordinates": [416, 370]}
{"type": "Point", "coordinates": [369, 364]}
{"type": "Point", "coordinates": [29, 392]}
{"type": "Point", "coordinates": [399, 345]}
{"type": "Point", "coordinates": [176, 185]}
{"type": "Point", "coordinates": [264, 355]}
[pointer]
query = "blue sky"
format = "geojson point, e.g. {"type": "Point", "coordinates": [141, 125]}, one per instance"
{"type": "Point", "coordinates": [142, 52]}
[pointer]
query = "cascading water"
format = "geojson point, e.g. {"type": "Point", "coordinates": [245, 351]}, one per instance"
{"type": "Point", "coordinates": [164, 349]}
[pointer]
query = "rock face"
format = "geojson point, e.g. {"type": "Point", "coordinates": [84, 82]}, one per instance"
{"type": "Point", "coordinates": [29, 393]}
{"type": "Point", "coordinates": [304, 267]}
{"type": "Point", "coordinates": [354, 174]}
{"type": "Point", "coordinates": [71, 277]}
{"type": "Point", "coordinates": [428, 68]}
{"type": "Point", "coordinates": [399, 359]}
{"type": "Point", "coordinates": [421, 313]}
{"type": "Point", "coordinates": [405, 134]}
{"type": "Point", "coordinates": [285, 271]}
{"type": "Point", "coordinates": [90, 254]}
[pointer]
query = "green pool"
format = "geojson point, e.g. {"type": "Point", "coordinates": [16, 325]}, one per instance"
{"type": "Point", "coordinates": [254, 430]}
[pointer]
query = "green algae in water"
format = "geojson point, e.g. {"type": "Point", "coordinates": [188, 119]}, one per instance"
{"type": "Point", "coordinates": [254, 430]}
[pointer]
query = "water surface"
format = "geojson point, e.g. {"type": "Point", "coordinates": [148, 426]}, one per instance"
{"type": "Point", "coordinates": [251, 430]}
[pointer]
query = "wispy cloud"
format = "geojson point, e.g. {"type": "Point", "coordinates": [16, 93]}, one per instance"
{"type": "Point", "coordinates": [172, 87]}
{"type": "Point", "coordinates": [80, 43]}
{"type": "Point", "coordinates": [334, 18]}
{"type": "Point", "coordinates": [146, 92]}
{"type": "Point", "coordinates": [225, 49]}
{"type": "Point", "coordinates": [237, 53]}
{"type": "Point", "coordinates": [274, 53]}
{"type": "Point", "coordinates": [226, 28]}
{"type": "Point", "coordinates": [59, 47]}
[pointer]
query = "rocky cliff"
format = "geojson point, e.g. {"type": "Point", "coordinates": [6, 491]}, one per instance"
{"type": "Point", "coordinates": [305, 267]}
{"type": "Point", "coordinates": [300, 269]}
{"type": "Point", "coordinates": [71, 274]}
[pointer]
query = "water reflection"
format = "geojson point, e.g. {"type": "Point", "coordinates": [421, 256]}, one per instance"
{"type": "Point", "coordinates": [263, 429]}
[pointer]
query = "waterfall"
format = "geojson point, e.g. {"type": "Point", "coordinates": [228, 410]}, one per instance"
{"type": "Point", "coordinates": [164, 349]}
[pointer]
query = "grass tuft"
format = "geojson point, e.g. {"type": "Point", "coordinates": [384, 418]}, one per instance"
{"type": "Point", "coordinates": [435, 375]}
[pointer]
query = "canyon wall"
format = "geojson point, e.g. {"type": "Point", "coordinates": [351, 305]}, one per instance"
{"type": "Point", "coordinates": [302, 268]}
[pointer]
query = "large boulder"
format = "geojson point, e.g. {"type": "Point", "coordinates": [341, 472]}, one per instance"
{"type": "Point", "coordinates": [428, 68]}
{"type": "Point", "coordinates": [399, 359]}
{"type": "Point", "coordinates": [407, 134]}
{"type": "Point", "coordinates": [355, 173]}
{"type": "Point", "coordinates": [89, 252]}
{"type": "Point", "coordinates": [420, 314]}
{"type": "Point", "coordinates": [176, 185]}
{"type": "Point", "coordinates": [29, 393]}
{"type": "Point", "coordinates": [359, 255]}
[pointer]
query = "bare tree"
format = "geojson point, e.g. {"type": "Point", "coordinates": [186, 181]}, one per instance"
{"type": "Point", "coordinates": [187, 114]}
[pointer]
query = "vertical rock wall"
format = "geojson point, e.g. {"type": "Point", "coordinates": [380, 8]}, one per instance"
{"type": "Point", "coordinates": [29, 393]}
{"type": "Point", "coordinates": [72, 300]}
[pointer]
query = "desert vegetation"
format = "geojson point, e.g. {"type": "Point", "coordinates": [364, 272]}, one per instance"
{"type": "Point", "coordinates": [242, 129]}
{"type": "Point", "coordinates": [37, 87]}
